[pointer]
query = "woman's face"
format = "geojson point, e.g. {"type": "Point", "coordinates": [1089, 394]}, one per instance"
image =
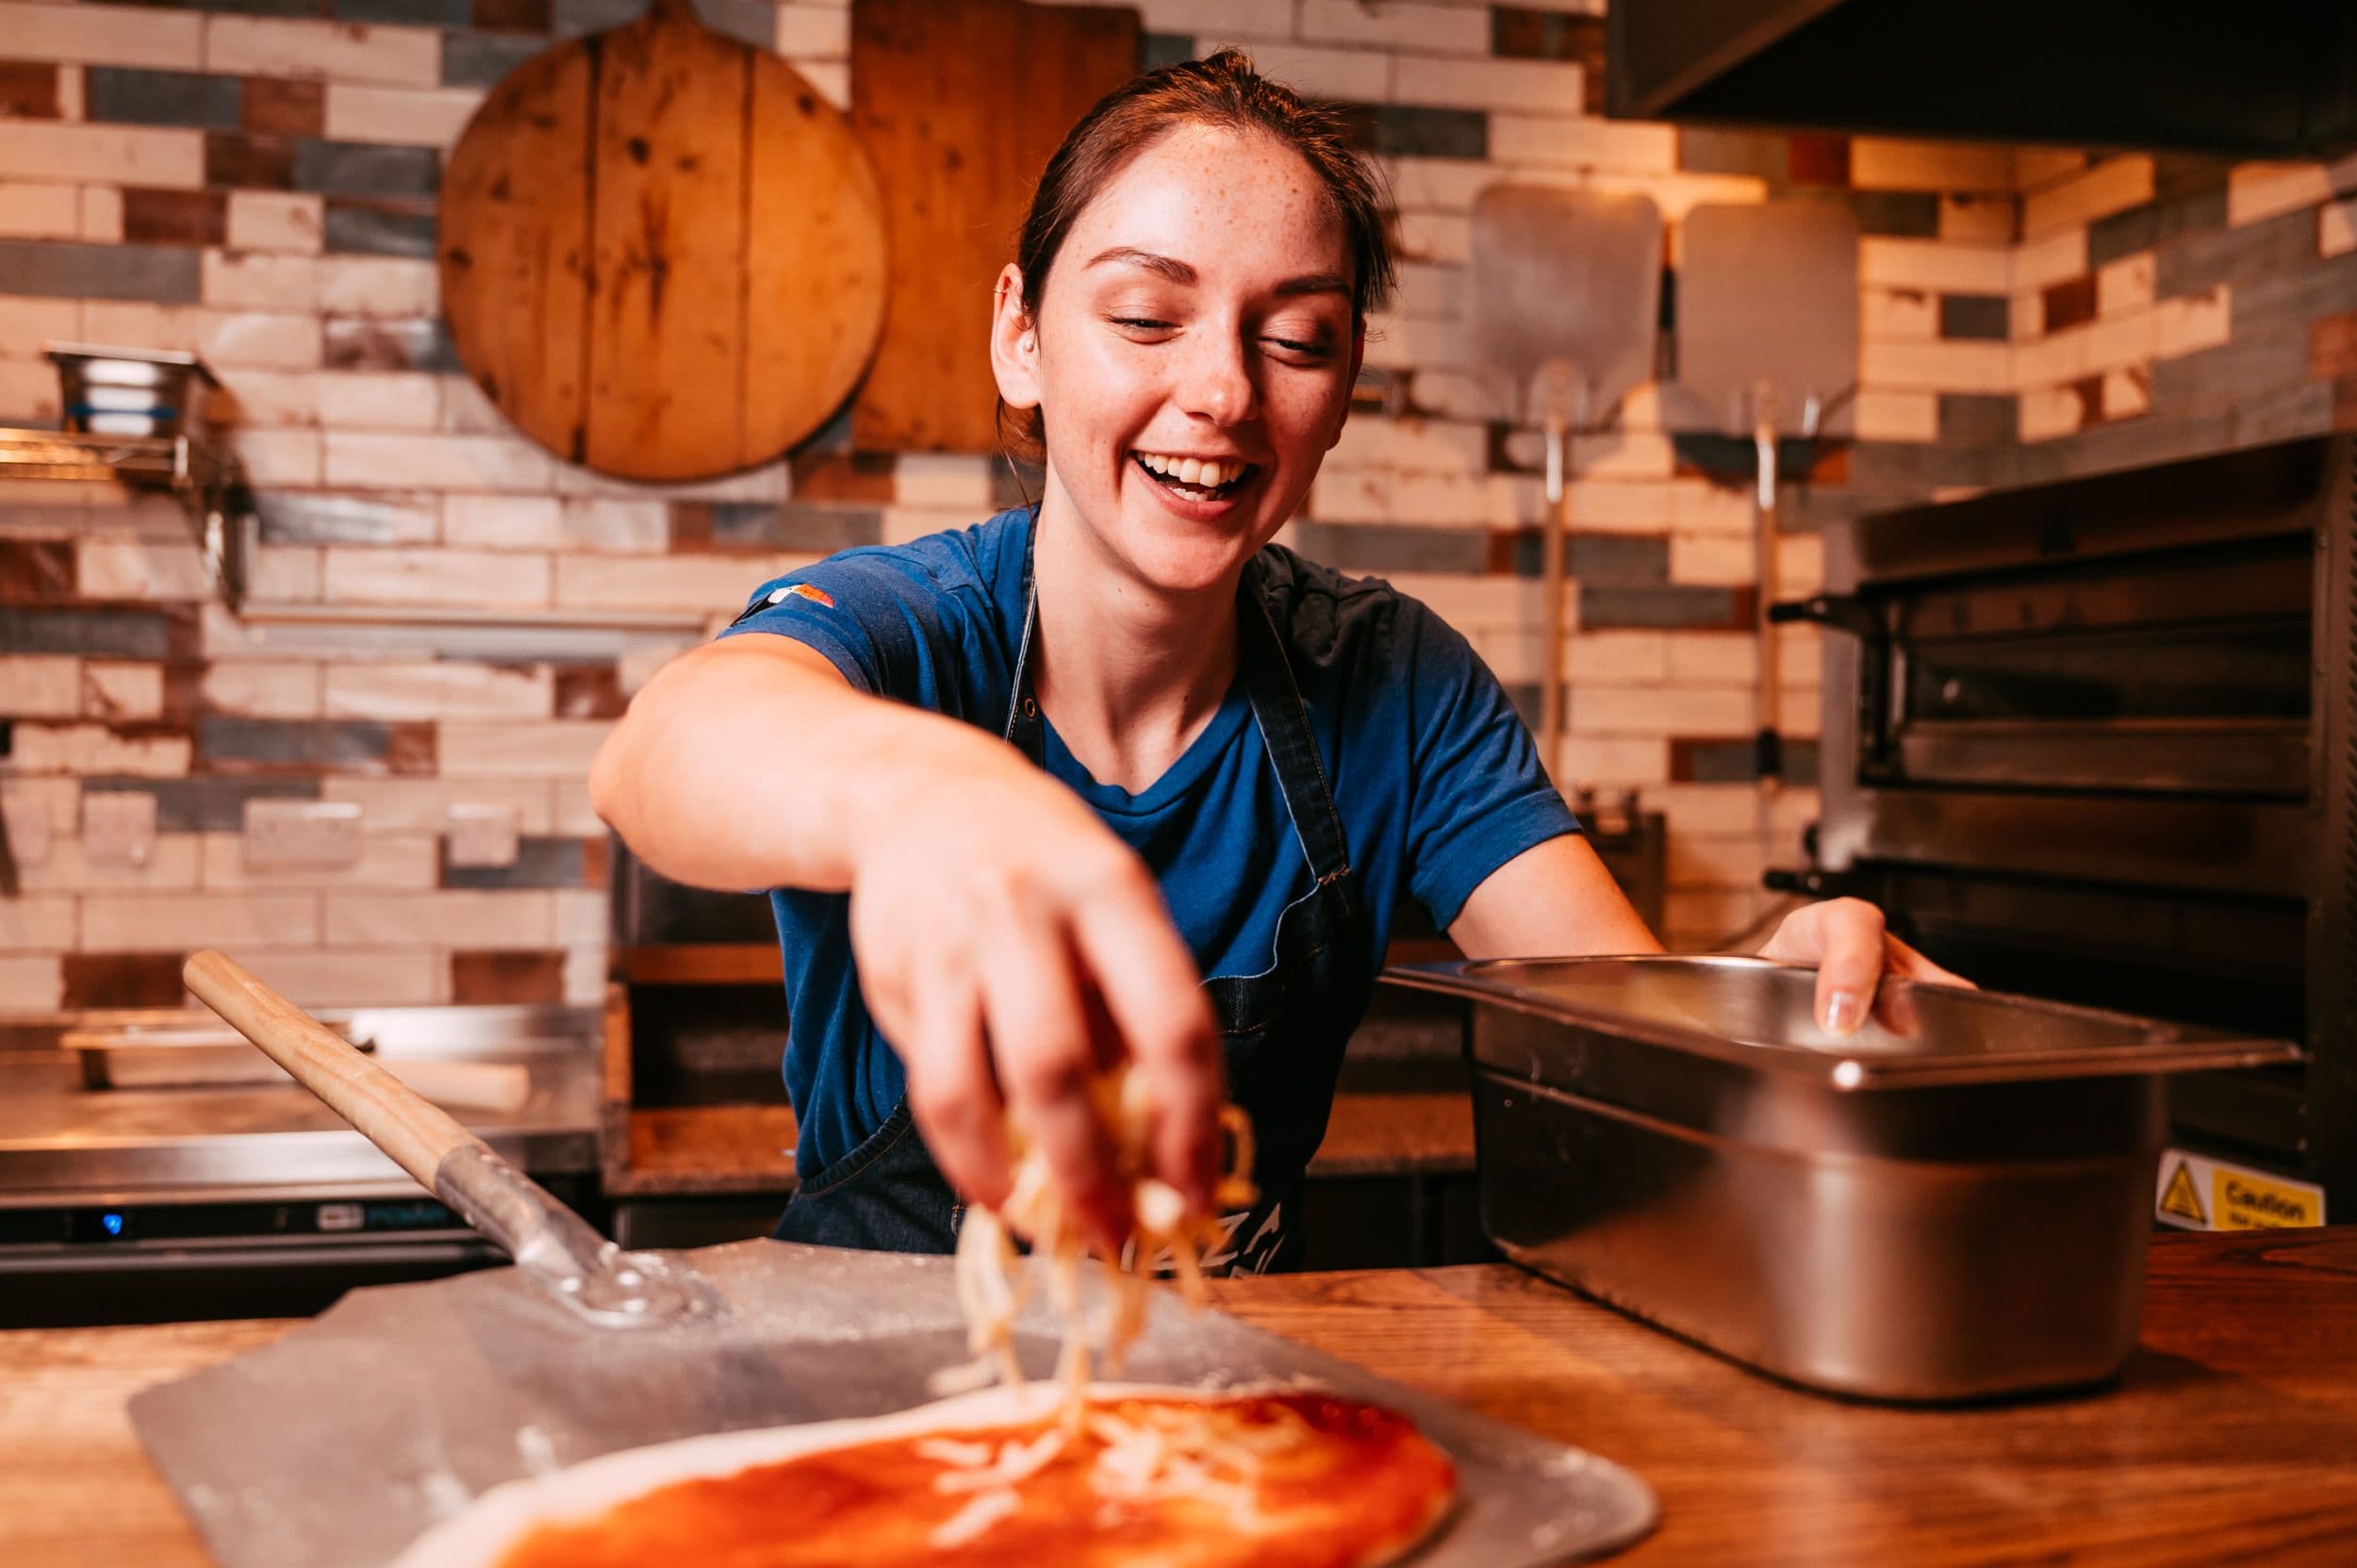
{"type": "Point", "coordinates": [1199, 312]}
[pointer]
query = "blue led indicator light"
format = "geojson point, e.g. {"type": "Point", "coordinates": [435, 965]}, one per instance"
{"type": "Point", "coordinates": [112, 1224]}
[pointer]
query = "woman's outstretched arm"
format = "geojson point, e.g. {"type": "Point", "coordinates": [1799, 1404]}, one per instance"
{"type": "Point", "coordinates": [1556, 900]}
{"type": "Point", "coordinates": [1009, 944]}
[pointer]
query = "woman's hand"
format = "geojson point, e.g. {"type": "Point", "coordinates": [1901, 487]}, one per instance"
{"type": "Point", "coordinates": [1846, 942]}
{"type": "Point", "coordinates": [1010, 948]}
{"type": "Point", "coordinates": [1009, 945]}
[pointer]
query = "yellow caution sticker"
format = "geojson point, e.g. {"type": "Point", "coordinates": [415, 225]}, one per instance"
{"type": "Point", "coordinates": [2197, 1193]}
{"type": "Point", "coordinates": [2180, 1198]}
{"type": "Point", "coordinates": [2245, 1201]}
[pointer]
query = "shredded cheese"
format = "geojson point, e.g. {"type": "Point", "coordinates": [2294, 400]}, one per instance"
{"type": "Point", "coordinates": [954, 1451]}
{"type": "Point", "coordinates": [1143, 1456]}
{"type": "Point", "coordinates": [991, 1287]}
{"type": "Point", "coordinates": [1015, 1462]}
{"type": "Point", "coordinates": [1173, 1454]}
{"type": "Point", "coordinates": [970, 1521]}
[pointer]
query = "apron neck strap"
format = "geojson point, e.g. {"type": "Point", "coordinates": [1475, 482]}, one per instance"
{"type": "Point", "coordinates": [1277, 709]}
{"type": "Point", "coordinates": [1283, 718]}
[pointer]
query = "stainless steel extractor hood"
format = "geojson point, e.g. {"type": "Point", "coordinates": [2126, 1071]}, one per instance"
{"type": "Point", "coordinates": [2277, 79]}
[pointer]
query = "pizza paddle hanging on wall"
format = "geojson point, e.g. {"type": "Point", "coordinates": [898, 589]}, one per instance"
{"type": "Point", "coordinates": [662, 251]}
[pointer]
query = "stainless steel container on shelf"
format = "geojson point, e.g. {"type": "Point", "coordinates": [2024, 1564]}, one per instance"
{"type": "Point", "coordinates": [1951, 1204]}
{"type": "Point", "coordinates": [118, 391]}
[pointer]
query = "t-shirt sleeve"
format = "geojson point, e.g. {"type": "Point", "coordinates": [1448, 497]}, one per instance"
{"type": "Point", "coordinates": [880, 615]}
{"type": "Point", "coordinates": [1478, 795]}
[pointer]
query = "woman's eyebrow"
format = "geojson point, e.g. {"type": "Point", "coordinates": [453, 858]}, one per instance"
{"type": "Point", "coordinates": [1315, 283]}
{"type": "Point", "coordinates": [1169, 267]}
{"type": "Point", "coordinates": [1178, 271]}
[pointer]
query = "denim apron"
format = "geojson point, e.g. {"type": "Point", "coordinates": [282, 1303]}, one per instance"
{"type": "Point", "coordinates": [1281, 1030]}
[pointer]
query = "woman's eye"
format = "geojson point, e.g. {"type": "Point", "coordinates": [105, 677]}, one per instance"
{"type": "Point", "coordinates": [1298, 347]}
{"type": "Point", "coordinates": [1141, 324]}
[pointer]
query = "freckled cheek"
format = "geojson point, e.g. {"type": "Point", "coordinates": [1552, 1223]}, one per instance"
{"type": "Point", "coordinates": [1302, 419]}
{"type": "Point", "coordinates": [1119, 369]}
{"type": "Point", "coordinates": [1101, 400]}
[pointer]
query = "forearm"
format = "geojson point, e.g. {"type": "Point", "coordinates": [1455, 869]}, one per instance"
{"type": "Point", "coordinates": [1554, 900]}
{"type": "Point", "coordinates": [751, 764]}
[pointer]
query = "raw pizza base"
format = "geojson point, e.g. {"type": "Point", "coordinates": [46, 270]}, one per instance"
{"type": "Point", "coordinates": [496, 1523]}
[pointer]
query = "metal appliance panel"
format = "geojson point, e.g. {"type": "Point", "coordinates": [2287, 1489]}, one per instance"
{"type": "Point", "coordinates": [59, 1138]}
{"type": "Point", "coordinates": [133, 1204]}
{"type": "Point", "coordinates": [2154, 841]}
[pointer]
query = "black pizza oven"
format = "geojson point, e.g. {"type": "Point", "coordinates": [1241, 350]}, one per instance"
{"type": "Point", "coordinates": [2098, 741]}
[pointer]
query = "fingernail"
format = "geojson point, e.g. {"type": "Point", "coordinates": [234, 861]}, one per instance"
{"type": "Point", "coordinates": [1844, 1013]}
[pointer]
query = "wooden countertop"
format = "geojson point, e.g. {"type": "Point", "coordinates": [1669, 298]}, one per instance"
{"type": "Point", "coordinates": [2232, 1437]}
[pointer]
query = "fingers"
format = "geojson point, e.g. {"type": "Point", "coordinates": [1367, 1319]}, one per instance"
{"type": "Point", "coordinates": [1154, 1004]}
{"type": "Point", "coordinates": [954, 1096]}
{"type": "Point", "coordinates": [1044, 957]}
{"type": "Point", "coordinates": [1900, 959]}
{"type": "Point", "coordinates": [1037, 1021]}
{"type": "Point", "coordinates": [1850, 940]}
{"type": "Point", "coordinates": [1847, 941]}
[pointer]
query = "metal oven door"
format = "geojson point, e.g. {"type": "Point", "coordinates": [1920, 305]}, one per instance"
{"type": "Point", "coordinates": [2186, 673]}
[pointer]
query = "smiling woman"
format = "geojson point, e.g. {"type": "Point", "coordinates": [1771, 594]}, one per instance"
{"type": "Point", "coordinates": [1209, 317]}
{"type": "Point", "coordinates": [1282, 182]}
{"type": "Point", "coordinates": [1020, 789]}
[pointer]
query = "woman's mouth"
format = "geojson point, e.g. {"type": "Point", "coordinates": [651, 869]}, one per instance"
{"type": "Point", "coordinates": [1197, 479]}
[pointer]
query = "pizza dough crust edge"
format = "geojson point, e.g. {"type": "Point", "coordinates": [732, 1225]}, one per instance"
{"type": "Point", "coordinates": [498, 1519]}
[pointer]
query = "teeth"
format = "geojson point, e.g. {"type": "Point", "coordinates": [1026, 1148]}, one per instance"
{"type": "Point", "coordinates": [1207, 473]}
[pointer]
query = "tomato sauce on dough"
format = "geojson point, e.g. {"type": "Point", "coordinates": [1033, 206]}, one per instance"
{"type": "Point", "coordinates": [1331, 1483]}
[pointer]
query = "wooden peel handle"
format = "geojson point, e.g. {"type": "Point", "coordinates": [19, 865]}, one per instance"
{"type": "Point", "coordinates": [390, 1115]}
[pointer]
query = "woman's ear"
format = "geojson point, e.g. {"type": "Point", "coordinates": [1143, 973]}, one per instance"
{"type": "Point", "coordinates": [1013, 343]}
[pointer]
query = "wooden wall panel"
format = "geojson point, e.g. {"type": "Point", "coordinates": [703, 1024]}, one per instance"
{"type": "Point", "coordinates": [959, 108]}
{"type": "Point", "coordinates": [662, 251]}
{"type": "Point", "coordinates": [667, 358]}
{"type": "Point", "coordinates": [516, 251]}
{"type": "Point", "coordinates": [815, 292]}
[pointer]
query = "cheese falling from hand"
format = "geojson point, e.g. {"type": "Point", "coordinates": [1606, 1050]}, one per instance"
{"type": "Point", "coordinates": [991, 1286]}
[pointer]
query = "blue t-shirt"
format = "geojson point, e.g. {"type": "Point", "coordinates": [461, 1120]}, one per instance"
{"type": "Point", "coordinates": [1434, 775]}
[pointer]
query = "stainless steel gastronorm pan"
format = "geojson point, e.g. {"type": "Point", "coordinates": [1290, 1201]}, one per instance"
{"type": "Point", "coordinates": [1951, 1204]}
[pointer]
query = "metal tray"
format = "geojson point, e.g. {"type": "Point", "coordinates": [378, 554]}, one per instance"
{"type": "Point", "coordinates": [1750, 1013]}
{"type": "Point", "coordinates": [1951, 1203]}
{"type": "Point", "coordinates": [337, 1445]}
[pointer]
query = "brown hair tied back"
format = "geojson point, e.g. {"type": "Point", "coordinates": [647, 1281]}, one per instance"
{"type": "Point", "coordinates": [1222, 91]}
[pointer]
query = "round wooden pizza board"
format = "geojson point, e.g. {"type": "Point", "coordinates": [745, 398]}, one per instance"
{"type": "Point", "coordinates": [662, 251]}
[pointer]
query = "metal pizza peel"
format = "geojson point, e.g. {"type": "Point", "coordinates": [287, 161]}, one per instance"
{"type": "Point", "coordinates": [339, 1444]}
{"type": "Point", "coordinates": [1564, 300]}
{"type": "Point", "coordinates": [1767, 348]}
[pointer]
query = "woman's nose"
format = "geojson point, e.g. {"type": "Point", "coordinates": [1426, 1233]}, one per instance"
{"type": "Point", "coordinates": [1218, 383]}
